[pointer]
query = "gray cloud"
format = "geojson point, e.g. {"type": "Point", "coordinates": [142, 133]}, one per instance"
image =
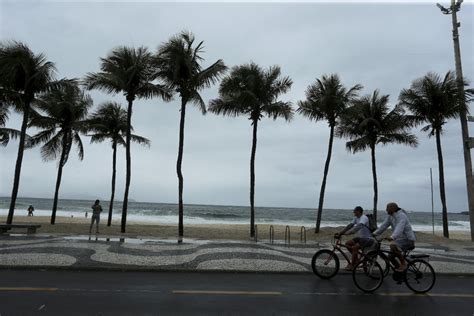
{"type": "Point", "coordinates": [382, 46]}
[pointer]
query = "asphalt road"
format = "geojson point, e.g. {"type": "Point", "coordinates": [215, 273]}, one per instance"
{"type": "Point", "coordinates": [25, 292]}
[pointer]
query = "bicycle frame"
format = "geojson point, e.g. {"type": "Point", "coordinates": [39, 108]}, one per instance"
{"type": "Point", "coordinates": [338, 245]}
{"type": "Point", "coordinates": [389, 256]}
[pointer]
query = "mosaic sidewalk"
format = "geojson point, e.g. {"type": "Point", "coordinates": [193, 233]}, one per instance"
{"type": "Point", "coordinates": [105, 253]}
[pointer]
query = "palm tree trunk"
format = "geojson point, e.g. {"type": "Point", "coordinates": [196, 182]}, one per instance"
{"type": "Point", "coordinates": [178, 170]}
{"type": "Point", "coordinates": [441, 184]}
{"type": "Point", "coordinates": [58, 178]}
{"type": "Point", "coordinates": [129, 165]}
{"type": "Point", "coordinates": [252, 179]}
{"type": "Point", "coordinates": [374, 175]}
{"type": "Point", "coordinates": [114, 171]}
{"type": "Point", "coordinates": [19, 159]}
{"type": "Point", "coordinates": [323, 184]}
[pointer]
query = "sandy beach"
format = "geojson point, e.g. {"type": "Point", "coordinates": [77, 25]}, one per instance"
{"type": "Point", "coordinates": [80, 226]}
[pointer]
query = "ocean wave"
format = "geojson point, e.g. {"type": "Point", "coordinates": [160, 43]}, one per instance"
{"type": "Point", "coordinates": [209, 218]}
{"type": "Point", "coordinates": [218, 215]}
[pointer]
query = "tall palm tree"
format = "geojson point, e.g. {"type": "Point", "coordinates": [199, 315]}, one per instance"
{"type": "Point", "coordinates": [23, 75]}
{"type": "Point", "coordinates": [62, 117]}
{"type": "Point", "coordinates": [327, 99]}
{"type": "Point", "coordinates": [109, 122]}
{"type": "Point", "coordinates": [6, 133]}
{"type": "Point", "coordinates": [130, 71]}
{"type": "Point", "coordinates": [434, 101]}
{"type": "Point", "coordinates": [370, 122]}
{"type": "Point", "coordinates": [179, 66]}
{"type": "Point", "coordinates": [252, 91]}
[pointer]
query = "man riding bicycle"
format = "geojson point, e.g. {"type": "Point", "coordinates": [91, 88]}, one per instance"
{"type": "Point", "coordinates": [403, 237]}
{"type": "Point", "coordinates": [364, 239]}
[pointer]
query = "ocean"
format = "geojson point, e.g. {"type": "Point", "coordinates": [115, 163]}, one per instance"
{"type": "Point", "coordinates": [162, 213]}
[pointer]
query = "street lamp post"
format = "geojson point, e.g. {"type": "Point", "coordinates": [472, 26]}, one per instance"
{"type": "Point", "coordinates": [453, 9]}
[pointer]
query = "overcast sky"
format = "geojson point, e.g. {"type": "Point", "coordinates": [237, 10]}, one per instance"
{"type": "Point", "coordinates": [379, 45]}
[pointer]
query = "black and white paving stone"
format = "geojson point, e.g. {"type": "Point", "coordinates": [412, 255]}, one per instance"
{"type": "Point", "coordinates": [93, 252]}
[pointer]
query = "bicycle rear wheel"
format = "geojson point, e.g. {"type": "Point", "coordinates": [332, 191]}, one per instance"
{"type": "Point", "coordinates": [368, 275]}
{"type": "Point", "coordinates": [419, 276]}
{"type": "Point", "coordinates": [325, 264]}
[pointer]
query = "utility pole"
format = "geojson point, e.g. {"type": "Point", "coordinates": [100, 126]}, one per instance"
{"type": "Point", "coordinates": [466, 141]}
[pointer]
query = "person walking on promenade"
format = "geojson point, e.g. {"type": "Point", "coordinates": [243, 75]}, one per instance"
{"type": "Point", "coordinates": [31, 209]}
{"type": "Point", "coordinates": [403, 237]}
{"type": "Point", "coordinates": [96, 210]}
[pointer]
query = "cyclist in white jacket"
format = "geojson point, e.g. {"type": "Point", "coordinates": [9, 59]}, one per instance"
{"type": "Point", "coordinates": [403, 237]}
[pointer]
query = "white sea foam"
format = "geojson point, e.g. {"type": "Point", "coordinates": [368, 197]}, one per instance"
{"type": "Point", "coordinates": [173, 219]}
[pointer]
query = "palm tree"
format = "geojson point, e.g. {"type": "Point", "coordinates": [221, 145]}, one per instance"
{"type": "Point", "coordinates": [23, 75]}
{"type": "Point", "coordinates": [132, 72]}
{"type": "Point", "coordinates": [65, 118]}
{"type": "Point", "coordinates": [326, 99]}
{"type": "Point", "coordinates": [179, 66]}
{"type": "Point", "coordinates": [252, 91]}
{"type": "Point", "coordinates": [370, 122]}
{"type": "Point", "coordinates": [6, 133]}
{"type": "Point", "coordinates": [434, 101]}
{"type": "Point", "coordinates": [109, 122]}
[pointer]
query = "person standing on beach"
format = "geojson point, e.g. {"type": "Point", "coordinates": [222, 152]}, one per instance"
{"type": "Point", "coordinates": [96, 210]}
{"type": "Point", "coordinates": [31, 209]}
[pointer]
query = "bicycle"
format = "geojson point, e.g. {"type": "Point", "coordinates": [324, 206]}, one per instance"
{"type": "Point", "coordinates": [325, 262]}
{"type": "Point", "coordinates": [419, 276]}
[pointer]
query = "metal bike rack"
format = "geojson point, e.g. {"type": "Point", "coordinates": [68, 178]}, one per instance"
{"type": "Point", "coordinates": [272, 234]}
{"type": "Point", "coordinates": [256, 234]}
{"type": "Point", "coordinates": [287, 234]}
{"type": "Point", "coordinates": [303, 234]}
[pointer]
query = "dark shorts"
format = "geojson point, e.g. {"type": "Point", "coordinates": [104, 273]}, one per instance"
{"type": "Point", "coordinates": [405, 244]}
{"type": "Point", "coordinates": [364, 242]}
{"type": "Point", "coordinates": [95, 218]}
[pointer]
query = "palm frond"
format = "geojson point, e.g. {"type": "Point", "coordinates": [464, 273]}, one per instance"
{"type": "Point", "coordinates": [370, 121]}
{"type": "Point", "coordinates": [80, 147]}
{"type": "Point", "coordinates": [4, 113]}
{"type": "Point", "coordinates": [148, 90]}
{"type": "Point", "coordinates": [359, 144]}
{"type": "Point", "coordinates": [211, 75]}
{"type": "Point", "coordinates": [52, 148]}
{"type": "Point", "coordinates": [65, 107]}
{"type": "Point", "coordinates": [195, 98]}
{"type": "Point", "coordinates": [43, 136]}
{"type": "Point", "coordinates": [226, 108]}
{"type": "Point", "coordinates": [279, 109]}
{"type": "Point", "coordinates": [250, 90]}
{"type": "Point", "coordinates": [178, 66]}
{"type": "Point", "coordinates": [99, 138]}
{"type": "Point", "coordinates": [327, 99]}
{"type": "Point", "coordinates": [140, 140]}
{"type": "Point", "coordinates": [7, 134]}
{"type": "Point", "coordinates": [105, 82]}
{"type": "Point", "coordinates": [434, 100]}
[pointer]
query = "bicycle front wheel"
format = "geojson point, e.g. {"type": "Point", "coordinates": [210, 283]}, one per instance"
{"type": "Point", "coordinates": [382, 260]}
{"type": "Point", "coordinates": [368, 275]}
{"type": "Point", "coordinates": [419, 276]}
{"type": "Point", "coordinates": [325, 264]}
